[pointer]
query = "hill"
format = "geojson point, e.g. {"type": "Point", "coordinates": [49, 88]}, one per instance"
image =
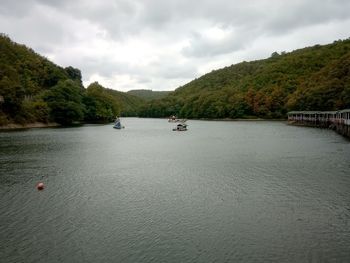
{"type": "Point", "coordinates": [149, 95]}
{"type": "Point", "coordinates": [129, 103]}
{"type": "Point", "coordinates": [312, 78]}
{"type": "Point", "coordinates": [33, 89]}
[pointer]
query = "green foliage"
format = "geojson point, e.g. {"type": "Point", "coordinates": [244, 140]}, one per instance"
{"type": "Point", "coordinates": [328, 89]}
{"type": "Point", "coordinates": [100, 105]}
{"type": "Point", "coordinates": [24, 79]}
{"type": "Point", "coordinates": [35, 110]}
{"type": "Point", "coordinates": [65, 102]}
{"type": "Point", "coordinates": [129, 104]}
{"type": "Point", "coordinates": [74, 74]}
{"type": "Point", "coordinates": [148, 95]}
{"type": "Point", "coordinates": [313, 78]}
{"type": "Point", "coordinates": [34, 89]}
{"type": "Point", "coordinates": [103, 104]}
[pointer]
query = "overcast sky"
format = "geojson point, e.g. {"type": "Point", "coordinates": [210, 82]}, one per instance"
{"type": "Point", "coordinates": [162, 44]}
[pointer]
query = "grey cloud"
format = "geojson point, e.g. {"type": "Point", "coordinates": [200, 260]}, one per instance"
{"type": "Point", "coordinates": [166, 67]}
{"type": "Point", "coordinates": [127, 15]}
{"type": "Point", "coordinates": [264, 18]}
{"type": "Point", "coordinates": [105, 67]}
{"type": "Point", "coordinates": [117, 17]}
{"type": "Point", "coordinates": [299, 14]}
{"type": "Point", "coordinates": [10, 8]}
{"type": "Point", "coordinates": [201, 46]}
{"type": "Point", "coordinates": [143, 80]}
{"type": "Point", "coordinates": [124, 17]}
{"type": "Point", "coordinates": [268, 15]}
{"type": "Point", "coordinates": [42, 38]}
{"type": "Point", "coordinates": [60, 27]}
{"type": "Point", "coordinates": [169, 68]}
{"type": "Point", "coordinates": [178, 72]}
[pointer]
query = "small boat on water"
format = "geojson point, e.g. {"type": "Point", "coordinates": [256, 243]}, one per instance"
{"type": "Point", "coordinates": [175, 119]}
{"type": "Point", "coordinates": [172, 119]}
{"type": "Point", "coordinates": [180, 127]}
{"type": "Point", "coordinates": [117, 124]}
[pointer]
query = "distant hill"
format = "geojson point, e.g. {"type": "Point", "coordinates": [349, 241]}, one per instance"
{"type": "Point", "coordinates": [149, 95]}
{"type": "Point", "coordinates": [33, 89]}
{"type": "Point", "coordinates": [129, 102]}
{"type": "Point", "coordinates": [312, 78]}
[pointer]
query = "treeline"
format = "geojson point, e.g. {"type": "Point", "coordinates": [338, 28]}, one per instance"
{"type": "Point", "coordinates": [313, 78]}
{"type": "Point", "coordinates": [149, 95]}
{"type": "Point", "coordinates": [33, 89]}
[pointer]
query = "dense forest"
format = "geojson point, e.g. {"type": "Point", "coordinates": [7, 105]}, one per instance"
{"type": "Point", "coordinates": [313, 78]}
{"type": "Point", "coordinates": [33, 89]}
{"type": "Point", "coordinates": [148, 95]}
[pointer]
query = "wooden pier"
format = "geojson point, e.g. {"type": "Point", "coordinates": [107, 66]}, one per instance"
{"type": "Point", "coordinates": [335, 120]}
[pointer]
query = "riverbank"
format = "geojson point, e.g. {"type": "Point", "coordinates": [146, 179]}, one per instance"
{"type": "Point", "coordinates": [224, 119]}
{"type": "Point", "coordinates": [240, 119]}
{"type": "Point", "coordinates": [16, 126]}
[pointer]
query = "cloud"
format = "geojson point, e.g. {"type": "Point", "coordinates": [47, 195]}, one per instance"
{"type": "Point", "coordinates": [215, 41]}
{"type": "Point", "coordinates": [160, 45]}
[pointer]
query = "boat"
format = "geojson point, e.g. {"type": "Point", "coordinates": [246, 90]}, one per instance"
{"type": "Point", "coordinates": [180, 127]}
{"type": "Point", "coordinates": [117, 124]}
{"type": "Point", "coordinates": [173, 119]}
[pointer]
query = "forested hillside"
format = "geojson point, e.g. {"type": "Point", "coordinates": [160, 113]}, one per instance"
{"type": "Point", "coordinates": [33, 89]}
{"type": "Point", "coordinates": [148, 95]}
{"type": "Point", "coordinates": [313, 78]}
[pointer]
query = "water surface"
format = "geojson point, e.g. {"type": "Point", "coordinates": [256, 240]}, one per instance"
{"type": "Point", "coordinates": [219, 192]}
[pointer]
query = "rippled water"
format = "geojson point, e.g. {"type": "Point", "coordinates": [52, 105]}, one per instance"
{"type": "Point", "coordinates": [219, 192]}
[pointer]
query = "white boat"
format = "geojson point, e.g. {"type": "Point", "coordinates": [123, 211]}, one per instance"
{"type": "Point", "coordinates": [173, 119]}
{"type": "Point", "coordinates": [180, 127]}
{"type": "Point", "coordinates": [117, 124]}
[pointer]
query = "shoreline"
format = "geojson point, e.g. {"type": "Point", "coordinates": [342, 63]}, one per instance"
{"type": "Point", "coordinates": [339, 128]}
{"type": "Point", "coordinates": [16, 126]}
{"type": "Point", "coordinates": [228, 119]}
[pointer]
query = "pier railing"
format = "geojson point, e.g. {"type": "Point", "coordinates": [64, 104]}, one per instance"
{"type": "Point", "coordinates": [337, 120]}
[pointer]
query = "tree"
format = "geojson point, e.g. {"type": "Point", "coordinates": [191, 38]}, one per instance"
{"type": "Point", "coordinates": [74, 74]}
{"type": "Point", "coordinates": [65, 102]}
{"type": "Point", "coordinates": [100, 105]}
{"type": "Point", "coordinates": [275, 55]}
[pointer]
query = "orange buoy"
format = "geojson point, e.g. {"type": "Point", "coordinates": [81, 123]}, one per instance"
{"type": "Point", "coordinates": [40, 186]}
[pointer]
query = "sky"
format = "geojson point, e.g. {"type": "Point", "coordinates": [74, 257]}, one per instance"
{"type": "Point", "coordinates": [163, 44]}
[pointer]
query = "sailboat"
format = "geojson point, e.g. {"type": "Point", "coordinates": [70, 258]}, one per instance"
{"type": "Point", "coordinates": [117, 124]}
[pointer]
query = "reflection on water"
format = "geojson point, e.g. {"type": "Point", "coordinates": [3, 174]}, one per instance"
{"type": "Point", "coordinates": [219, 192]}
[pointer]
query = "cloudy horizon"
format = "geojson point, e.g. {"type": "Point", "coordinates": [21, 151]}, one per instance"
{"type": "Point", "coordinates": [161, 45]}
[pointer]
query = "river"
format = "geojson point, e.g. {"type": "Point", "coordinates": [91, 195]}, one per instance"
{"type": "Point", "coordinates": [239, 191]}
